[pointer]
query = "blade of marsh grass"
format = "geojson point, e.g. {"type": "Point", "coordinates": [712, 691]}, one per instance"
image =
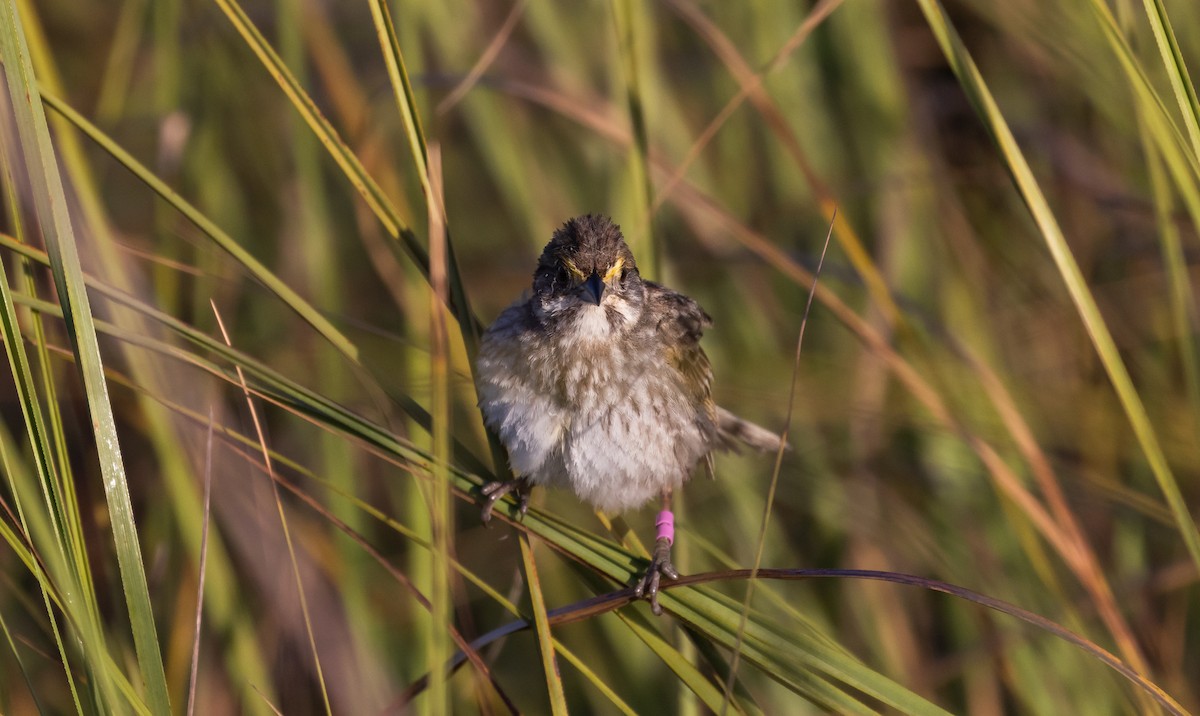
{"type": "Point", "coordinates": [799, 660]}
{"type": "Point", "coordinates": [407, 107]}
{"type": "Point", "coordinates": [750, 87]}
{"type": "Point", "coordinates": [1184, 165]}
{"type": "Point", "coordinates": [238, 379]}
{"type": "Point", "coordinates": [42, 444]}
{"type": "Point", "coordinates": [191, 700]}
{"type": "Point", "coordinates": [379, 204]}
{"type": "Point", "coordinates": [975, 87]}
{"type": "Point", "coordinates": [16, 477]}
{"type": "Point", "coordinates": [584, 668]}
{"type": "Point", "coordinates": [402, 89]}
{"type": "Point", "coordinates": [485, 59]}
{"type": "Point", "coordinates": [438, 650]}
{"type": "Point", "coordinates": [690, 677]}
{"type": "Point", "coordinates": [1177, 72]}
{"type": "Point", "coordinates": [256, 269]}
{"type": "Point", "coordinates": [326, 272]}
{"type": "Point", "coordinates": [629, 48]}
{"type": "Point", "coordinates": [796, 660]}
{"type": "Point", "coordinates": [602, 603]}
{"type": "Point", "coordinates": [1183, 309]}
{"type": "Point", "coordinates": [57, 482]}
{"type": "Point", "coordinates": [469, 654]}
{"type": "Point", "coordinates": [769, 503]}
{"type": "Point", "coordinates": [51, 207]}
{"type": "Point", "coordinates": [716, 661]}
{"type": "Point", "coordinates": [283, 522]}
{"type": "Point", "coordinates": [242, 655]}
{"type": "Point", "coordinates": [554, 685]}
{"type": "Point", "coordinates": [16, 655]}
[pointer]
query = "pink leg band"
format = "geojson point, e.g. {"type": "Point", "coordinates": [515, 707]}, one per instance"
{"type": "Point", "coordinates": [666, 526]}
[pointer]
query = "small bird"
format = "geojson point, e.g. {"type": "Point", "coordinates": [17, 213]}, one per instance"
{"type": "Point", "coordinates": [596, 381]}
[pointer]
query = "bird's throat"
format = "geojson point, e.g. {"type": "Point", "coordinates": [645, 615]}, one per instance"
{"type": "Point", "coordinates": [593, 324]}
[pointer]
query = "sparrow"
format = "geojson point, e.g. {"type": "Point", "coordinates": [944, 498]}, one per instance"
{"type": "Point", "coordinates": [595, 381]}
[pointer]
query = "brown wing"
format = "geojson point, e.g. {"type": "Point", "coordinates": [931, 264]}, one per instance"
{"type": "Point", "coordinates": [681, 326]}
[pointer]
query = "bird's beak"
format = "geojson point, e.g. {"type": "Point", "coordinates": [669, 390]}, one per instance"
{"type": "Point", "coordinates": [593, 288]}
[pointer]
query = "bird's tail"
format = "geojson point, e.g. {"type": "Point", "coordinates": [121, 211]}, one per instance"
{"type": "Point", "coordinates": [735, 432]}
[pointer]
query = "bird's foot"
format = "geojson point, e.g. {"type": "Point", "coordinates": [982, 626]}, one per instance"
{"type": "Point", "coordinates": [659, 567]}
{"type": "Point", "coordinates": [493, 491]}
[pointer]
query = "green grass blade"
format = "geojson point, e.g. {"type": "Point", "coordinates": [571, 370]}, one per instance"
{"type": "Point", "coordinates": [628, 30]}
{"type": "Point", "coordinates": [17, 479]}
{"type": "Point", "coordinates": [1085, 304]}
{"type": "Point", "coordinates": [801, 661]}
{"type": "Point", "coordinates": [42, 443]}
{"type": "Point", "coordinates": [51, 207]}
{"type": "Point", "coordinates": [370, 191]}
{"type": "Point", "coordinates": [1177, 72]}
{"type": "Point", "coordinates": [210, 229]}
{"type": "Point", "coordinates": [456, 296]}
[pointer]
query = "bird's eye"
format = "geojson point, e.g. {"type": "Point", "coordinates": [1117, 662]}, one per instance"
{"type": "Point", "coordinates": [624, 273]}
{"type": "Point", "coordinates": [563, 277]}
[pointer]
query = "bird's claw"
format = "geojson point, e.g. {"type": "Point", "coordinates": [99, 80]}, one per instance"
{"type": "Point", "coordinates": [659, 567]}
{"type": "Point", "coordinates": [494, 491]}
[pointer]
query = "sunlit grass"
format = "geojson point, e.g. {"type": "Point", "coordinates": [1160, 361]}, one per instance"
{"type": "Point", "coordinates": [998, 395]}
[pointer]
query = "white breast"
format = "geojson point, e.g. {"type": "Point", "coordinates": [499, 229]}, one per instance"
{"type": "Point", "coordinates": [612, 431]}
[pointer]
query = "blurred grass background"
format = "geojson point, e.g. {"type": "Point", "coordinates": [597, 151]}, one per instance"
{"type": "Point", "coordinates": [955, 415]}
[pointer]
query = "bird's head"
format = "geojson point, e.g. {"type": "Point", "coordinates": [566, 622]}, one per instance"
{"type": "Point", "coordinates": [587, 277]}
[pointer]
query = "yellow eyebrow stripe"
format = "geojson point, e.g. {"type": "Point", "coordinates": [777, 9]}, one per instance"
{"type": "Point", "coordinates": [616, 268]}
{"type": "Point", "coordinates": [573, 268]}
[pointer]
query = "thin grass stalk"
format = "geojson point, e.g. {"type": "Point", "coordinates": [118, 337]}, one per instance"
{"type": "Point", "coordinates": [376, 200]}
{"type": "Point", "coordinates": [283, 521]}
{"type": "Point", "coordinates": [554, 685]}
{"type": "Point", "coordinates": [1176, 69]}
{"type": "Point", "coordinates": [176, 472]}
{"type": "Point", "coordinates": [1179, 282]}
{"type": "Point", "coordinates": [713, 615]}
{"type": "Point", "coordinates": [438, 651]}
{"type": "Point", "coordinates": [57, 480]}
{"type": "Point", "coordinates": [402, 89]}
{"type": "Point", "coordinates": [629, 49]}
{"type": "Point", "coordinates": [604, 603]}
{"type": "Point", "coordinates": [44, 447]}
{"type": "Point", "coordinates": [409, 115]}
{"type": "Point", "coordinates": [973, 84]}
{"type": "Point", "coordinates": [19, 365]}
{"type": "Point", "coordinates": [259, 271]}
{"type": "Point", "coordinates": [326, 264]}
{"type": "Point", "coordinates": [51, 206]}
{"type": "Point", "coordinates": [750, 86]}
{"type": "Point", "coordinates": [202, 568]}
{"type": "Point", "coordinates": [769, 503]}
{"type": "Point", "coordinates": [486, 58]}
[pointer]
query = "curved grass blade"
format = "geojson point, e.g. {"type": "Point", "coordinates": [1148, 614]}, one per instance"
{"type": "Point", "coordinates": [407, 106]}
{"type": "Point", "coordinates": [51, 208]}
{"type": "Point", "coordinates": [42, 443]}
{"type": "Point", "coordinates": [208, 228]}
{"type": "Point", "coordinates": [607, 602]}
{"type": "Point", "coordinates": [804, 662]}
{"type": "Point", "coordinates": [641, 241]}
{"type": "Point", "coordinates": [768, 504]}
{"type": "Point", "coordinates": [1177, 72]}
{"type": "Point", "coordinates": [1085, 304]}
{"type": "Point", "coordinates": [393, 223]}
